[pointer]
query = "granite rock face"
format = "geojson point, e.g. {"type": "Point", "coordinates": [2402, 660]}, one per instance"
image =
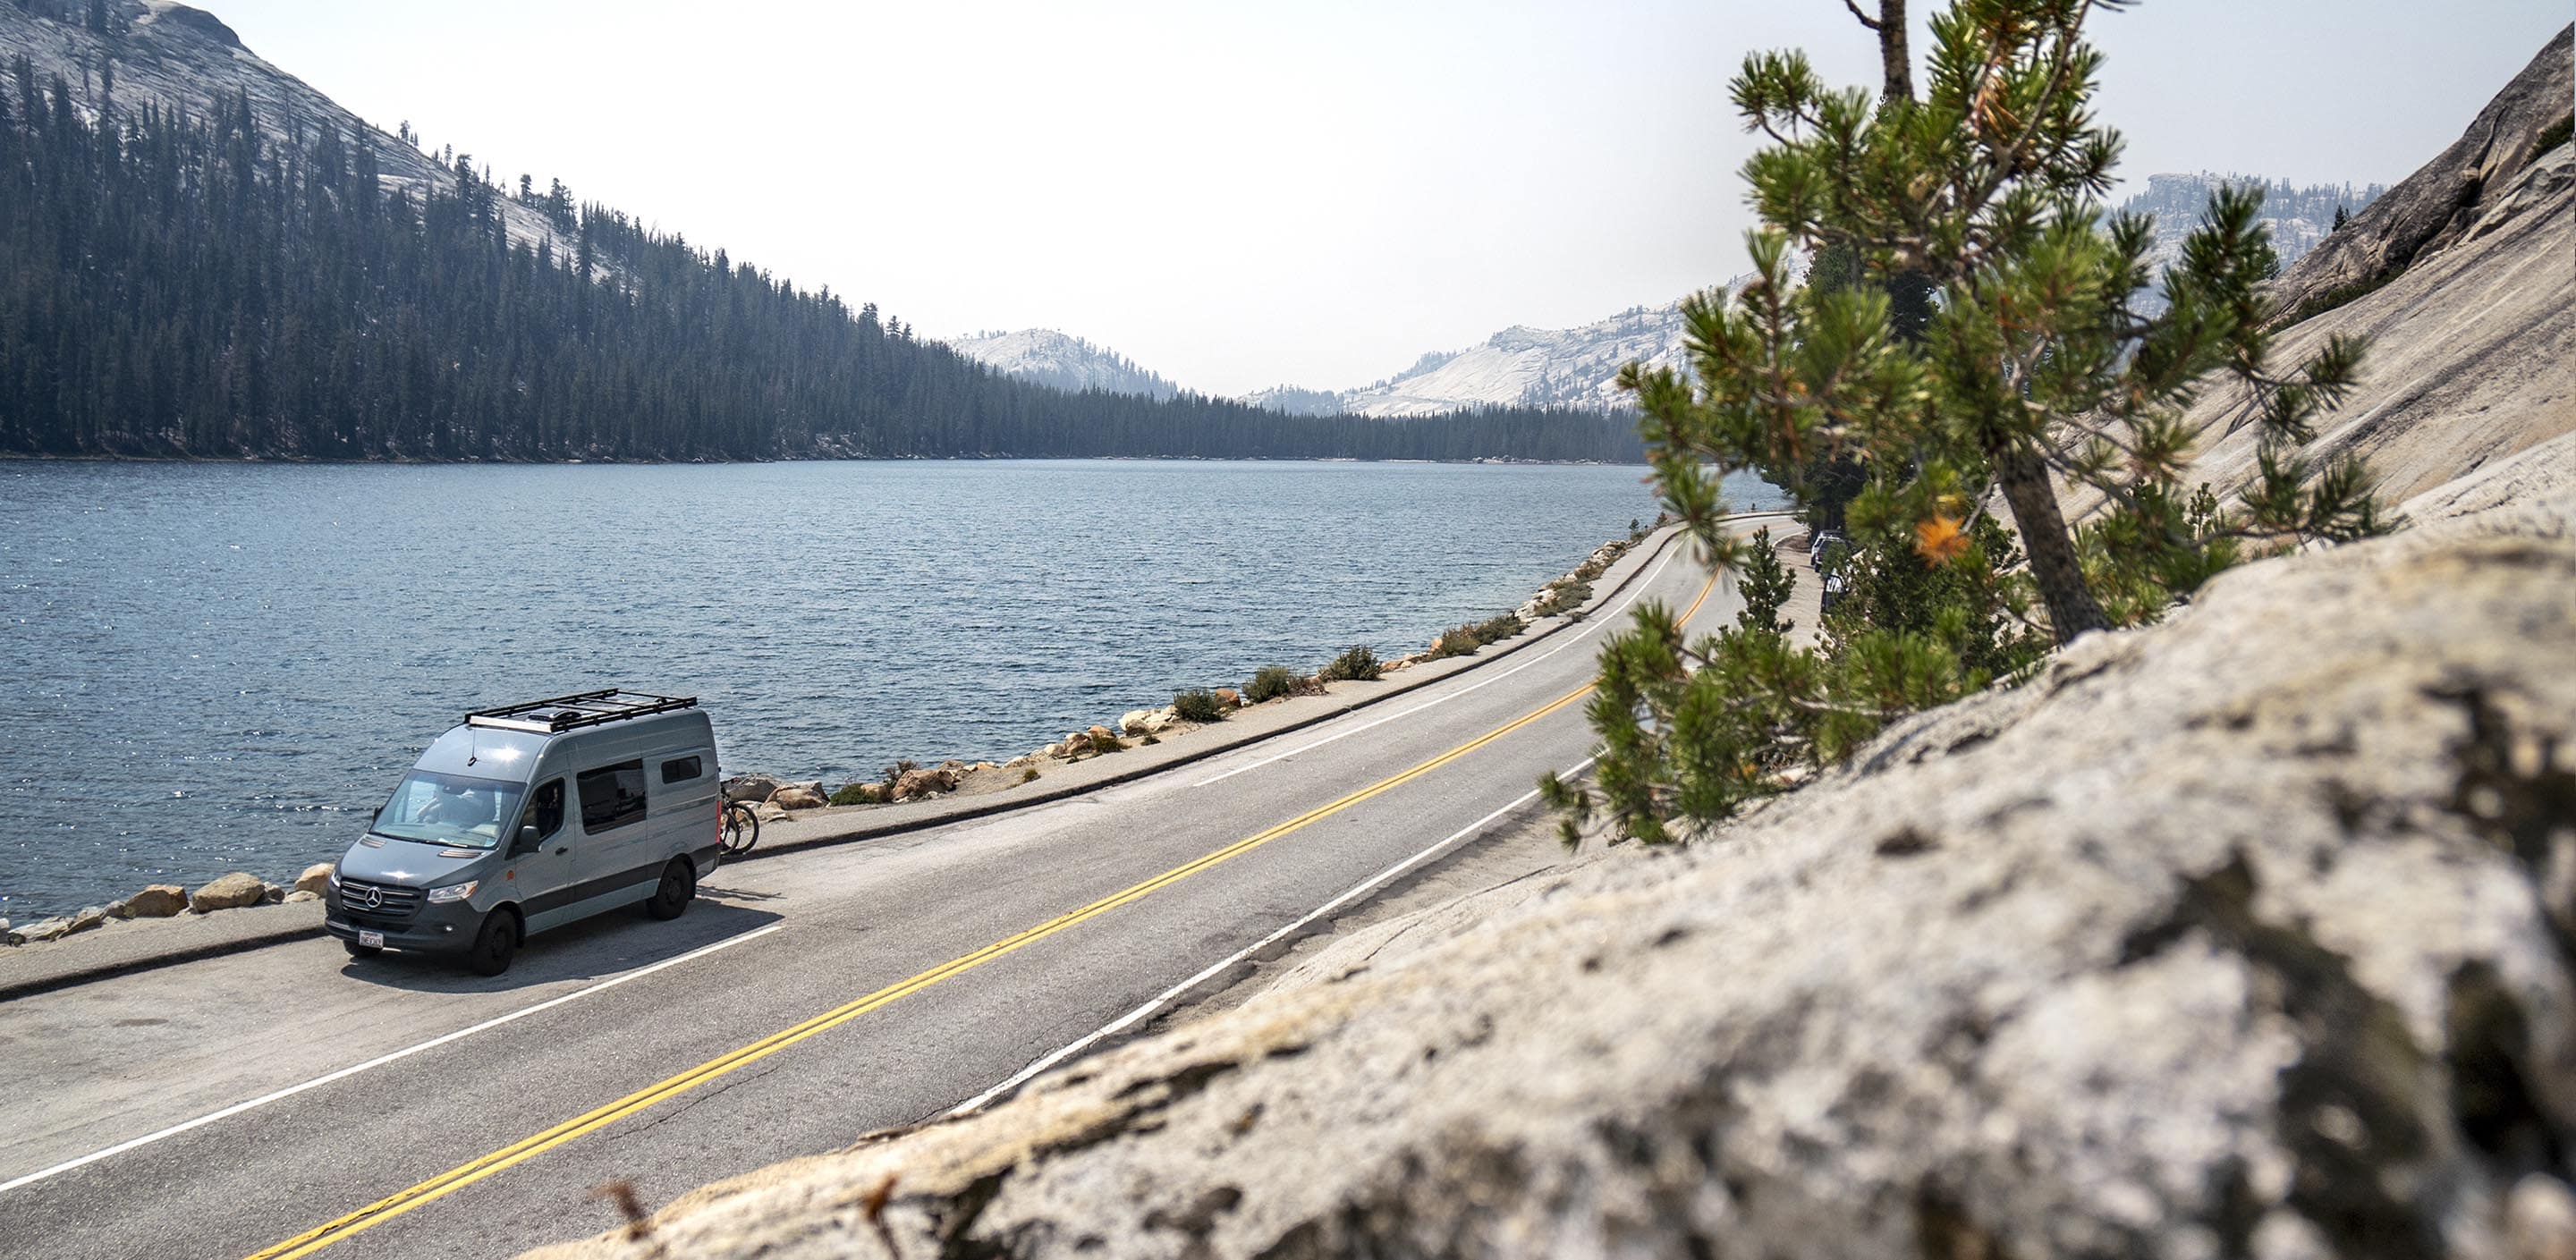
{"type": "Point", "coordinates": [2472, 357]}
{"type": "Point", "coordinates": [2248, 934]}
{"type": "Point", "coordinates": [2441, 202]}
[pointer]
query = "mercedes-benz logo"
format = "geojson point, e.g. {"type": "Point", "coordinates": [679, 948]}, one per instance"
{"type": "Point", "coordinates": [369, 898]}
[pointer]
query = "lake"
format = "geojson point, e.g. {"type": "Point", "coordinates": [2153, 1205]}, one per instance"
{"type": "Point", "coordinates": [213, 667]}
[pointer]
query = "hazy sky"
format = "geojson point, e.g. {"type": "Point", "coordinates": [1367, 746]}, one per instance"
{"type": "Point", "coordinates": [1238, 195]}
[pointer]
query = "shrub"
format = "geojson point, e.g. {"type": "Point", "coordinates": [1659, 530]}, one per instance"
{"type": "Point", "coordinates": [1564, 595]}
{"type": "Point", "coordinates": [897, 771]}
{"type": "Point", "coordinates": [1270, 682]}
{"type": "Point", "coordinates": [1103, 744]}
{"type": "Point", "coordinates": [1028, 774]}
{"type": "Point", "coordinates": [1458, 642]}
{"type": "Point", "coordinates": [1498, 629]}
{"type": "Point", "coordinates": [854, 794]}
{"type": "Point", "coordinates": [1464, 640]}
{"type": "Point", "coordinates": [1197, 705]}
{"type": "Point", "coordinates": [1357, 663]}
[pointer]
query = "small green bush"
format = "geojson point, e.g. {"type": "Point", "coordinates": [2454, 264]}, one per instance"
{"type": "Point", "coordinates": [852, 794]}
{"type": "Point", "coordinates": [1028, 774]}
{"type": "Point", "coordinates": [1564, 595]}
{"type": "Point", "coordinates": [1458, 642]}
{"type": "Point", "coordinates": [1197, 705]}
{"type": "Point", "coordinates": [1357, 663]}
{"type": "Point", "coordinates": [1270, 682]}
{"type": "Point", "coordinates": [1464, 640]}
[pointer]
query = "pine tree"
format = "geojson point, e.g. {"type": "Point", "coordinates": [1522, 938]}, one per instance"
{"type": "Point", "coordinates": [1765, 584]}
{"type": "Point", "coordinates": [2035, 364]}
{"type": "Point", "coordinates": [2026, 363]}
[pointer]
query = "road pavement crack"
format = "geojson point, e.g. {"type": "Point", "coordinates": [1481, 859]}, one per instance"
{"type": "Point", "coordinates": [740, 1078]}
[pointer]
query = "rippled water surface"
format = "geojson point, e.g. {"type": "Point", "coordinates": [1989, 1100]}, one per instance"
{"type": "Point", "coordinates": [217, 667]}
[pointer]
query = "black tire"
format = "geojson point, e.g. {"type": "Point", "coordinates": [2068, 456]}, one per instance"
{"type": "Point", "coordinates": [741, 829]}
{"type": "Point", "coordinates": [357, 950]}
{"type": "Point", "coordinates": [495, 944]}
{"type": "Point", "coordinates": [678, 888]}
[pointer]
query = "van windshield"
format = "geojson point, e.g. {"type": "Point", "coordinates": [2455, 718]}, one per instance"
{"type": "Point", "coordinates": [450, 809]}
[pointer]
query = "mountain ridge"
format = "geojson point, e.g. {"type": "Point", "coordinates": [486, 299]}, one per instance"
{"type": "Point", "coordinates": [203, 257]}
{"type": "Point", "coordinates": [1577, 366]}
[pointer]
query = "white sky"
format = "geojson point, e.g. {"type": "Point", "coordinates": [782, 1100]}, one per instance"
{"type": "Point", "coordinates": [1238, 195]}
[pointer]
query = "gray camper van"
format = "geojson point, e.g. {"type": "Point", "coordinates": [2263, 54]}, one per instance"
{"type": "Point", "coordinates": [533, 815]}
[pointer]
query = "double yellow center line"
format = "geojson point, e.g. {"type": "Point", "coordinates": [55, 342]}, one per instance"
{"type": "Point", "coordinates": [466, 1174]}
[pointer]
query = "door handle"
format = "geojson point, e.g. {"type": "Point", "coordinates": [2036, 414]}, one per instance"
{"type": "Point", "coordinates": [563, 850]}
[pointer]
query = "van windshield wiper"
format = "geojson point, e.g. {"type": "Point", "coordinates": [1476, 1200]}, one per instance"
{"type": "Point", "coordinates": [435, 844]}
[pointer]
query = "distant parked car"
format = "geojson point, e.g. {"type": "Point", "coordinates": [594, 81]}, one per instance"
{"type": "Point", "coordinates": [1819, 542]}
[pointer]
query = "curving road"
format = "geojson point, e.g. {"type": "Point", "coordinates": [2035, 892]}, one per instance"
{"type": "Point", "coordinates": [287, 1101]}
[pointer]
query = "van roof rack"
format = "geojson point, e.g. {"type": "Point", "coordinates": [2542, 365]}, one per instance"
{"type": "Point", "coordinates": [588, 708]}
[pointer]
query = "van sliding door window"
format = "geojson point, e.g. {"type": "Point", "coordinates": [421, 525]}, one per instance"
{"type": "Point", "coordinates": [682, 770]}
{"type": "Point", "coordinates": [611, 796]}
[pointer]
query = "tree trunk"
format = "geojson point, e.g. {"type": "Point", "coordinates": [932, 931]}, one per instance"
{"type": "Point", "coordinates": [2072, 610]}
{"type": "Point", "coordinates": [1892, 52]}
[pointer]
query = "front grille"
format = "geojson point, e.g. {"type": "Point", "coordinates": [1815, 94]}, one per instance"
{"type": "Point", "coordinates": [378, 903]}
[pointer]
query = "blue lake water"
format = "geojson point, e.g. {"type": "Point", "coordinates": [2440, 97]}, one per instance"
{"type": "Point", "coordinates": [211, 667]}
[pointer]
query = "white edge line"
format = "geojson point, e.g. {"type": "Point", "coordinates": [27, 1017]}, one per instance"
{"type": "Point", "coordinates": [381, 1060]}
{"type": "Point", "coordinates": [1173, 994]}
{"type": "Point", "coordinates": [1598, 620]}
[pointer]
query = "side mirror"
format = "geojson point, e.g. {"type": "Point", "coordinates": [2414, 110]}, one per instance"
{"type": "Point", "coordinates": [526, 842]}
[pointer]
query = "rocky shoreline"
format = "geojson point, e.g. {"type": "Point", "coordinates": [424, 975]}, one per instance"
{"type": "Point", "coordinates": [167, 901]}
{"type": "Point", "coordinates": [906, 782]}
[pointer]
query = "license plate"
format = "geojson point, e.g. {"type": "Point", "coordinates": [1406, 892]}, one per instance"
{"type": "Point", "coordinates": [372, 940]}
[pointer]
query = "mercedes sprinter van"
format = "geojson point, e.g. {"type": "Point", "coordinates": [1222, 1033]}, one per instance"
{"type": "Point", "coordinates": [530, 816]}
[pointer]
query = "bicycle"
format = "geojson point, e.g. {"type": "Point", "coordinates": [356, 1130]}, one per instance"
{"type": "Point", "coordinates": [737, 828]}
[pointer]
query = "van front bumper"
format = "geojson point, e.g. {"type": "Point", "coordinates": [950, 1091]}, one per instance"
{"type": "Point", "coordinates": [442, 927]}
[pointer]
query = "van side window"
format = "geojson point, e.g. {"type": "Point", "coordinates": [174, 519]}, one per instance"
{"type": "Point", "coordinates": [546, 808]}
{"type": "Point", "coordinates": [682, 770]}
{"type": "Point", "coordinates": [611, 796]}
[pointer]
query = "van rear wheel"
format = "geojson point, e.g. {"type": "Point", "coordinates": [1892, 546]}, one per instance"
{"type": "Point", "coordinates": [679, 887]}
{"type": "Point", "coordinates": [494, 945]}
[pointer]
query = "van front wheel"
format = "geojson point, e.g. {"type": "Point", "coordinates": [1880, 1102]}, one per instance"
{"type": "Point", "coordinates": [679, 886]}
{"type": "Point", "coordinates": [494, 945]}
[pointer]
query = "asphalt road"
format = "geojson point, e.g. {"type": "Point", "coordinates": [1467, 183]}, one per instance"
{"type": "Point", "coordinates": [805, 1000]}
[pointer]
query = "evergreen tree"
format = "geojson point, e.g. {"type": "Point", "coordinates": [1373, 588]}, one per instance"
{"type": "Point", "coordinates": [2033, 365]}
{"type": "Point", "coordinates": [2036, 363]}
{"type": "Point", "coordinates": [1765, 584]}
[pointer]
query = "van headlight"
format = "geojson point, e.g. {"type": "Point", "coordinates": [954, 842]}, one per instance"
{"type": "Point", "coordinates": [454, 892]}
